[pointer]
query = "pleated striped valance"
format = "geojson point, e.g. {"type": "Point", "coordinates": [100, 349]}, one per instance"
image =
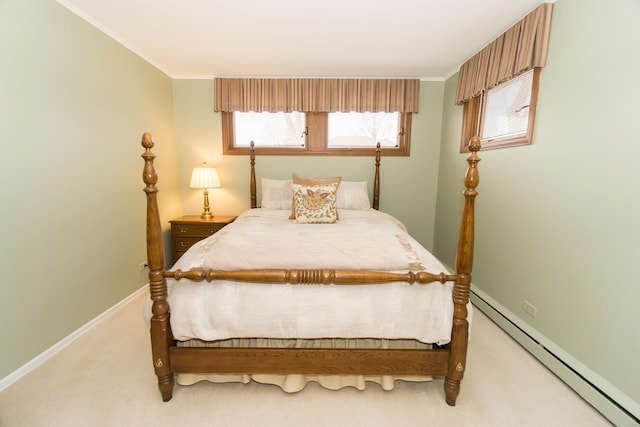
{"type": "Point", "coordinates": [316, 95]}
{"type": "Point", "coordinates": [521, 48]}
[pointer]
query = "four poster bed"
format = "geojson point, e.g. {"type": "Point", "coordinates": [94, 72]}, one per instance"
{"type": "Point", "coordinates": [314, 283]}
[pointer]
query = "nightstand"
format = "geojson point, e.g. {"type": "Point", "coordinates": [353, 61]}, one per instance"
{"type": "Point", "coordinates": [189, 229]}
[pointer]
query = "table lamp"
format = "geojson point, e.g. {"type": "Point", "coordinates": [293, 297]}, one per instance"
{"type": "Point", "coordinates": [205, 177]}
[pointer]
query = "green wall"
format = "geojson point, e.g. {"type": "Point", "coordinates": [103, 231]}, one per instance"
{"type": "Point", "coordinates": [73, 106]}
{"type": "Point", "coordinates": [408, 184]}
{"type": "Point", "coordinates": [557, 221]}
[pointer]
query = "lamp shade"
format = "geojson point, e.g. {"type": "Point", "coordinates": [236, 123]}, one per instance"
{"type": "Point", "coordinates": [204, 177]}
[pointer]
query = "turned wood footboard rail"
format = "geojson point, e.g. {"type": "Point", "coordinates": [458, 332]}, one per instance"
{"type": "Point", "coordinates": [310, 277]}
{"type": "Point", "coordinates": [168, 358]}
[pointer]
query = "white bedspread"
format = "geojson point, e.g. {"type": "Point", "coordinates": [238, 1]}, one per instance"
{"type": "Point", "coordinates": [262, 238]}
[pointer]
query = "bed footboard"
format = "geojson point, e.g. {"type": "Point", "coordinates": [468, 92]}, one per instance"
{"type": "Point", "coordinates": [168, 358]}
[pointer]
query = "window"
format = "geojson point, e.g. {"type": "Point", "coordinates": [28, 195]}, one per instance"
{"type": "Point", "coordinates": [299, 133]}
{"type": "Point", "coordinates": [355, 130]}
{"type": "Point", "coordinates": [504, 115]}
{"type": "Point", "coordinates": [269, 129]}
{"type": "Point", "coordinates": [506, 109]}
{"type": "Point", "coordinates": [498, 86]}
{"type": "Point", "coordinates": [302, 116]}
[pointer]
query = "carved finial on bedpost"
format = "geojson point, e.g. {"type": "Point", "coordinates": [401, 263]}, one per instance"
{"type": "Point", "coordinates": [155, 249]}
{"type": "Point", "coordinates": [376, 179]}
{"type": "Point", "coordinates": [464, 264]}
{"type": "Point", "coordinates": [149, 172]}
{"type": "Point", "coordinates": [472, 178]}
{"type": "Point", "coordinates": [252, 184]}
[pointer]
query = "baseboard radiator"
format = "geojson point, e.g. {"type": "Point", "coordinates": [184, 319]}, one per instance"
{"type": "Point", "coordinates": [612, 403]}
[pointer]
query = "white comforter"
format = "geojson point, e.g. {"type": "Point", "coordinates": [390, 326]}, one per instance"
{"type": "Point", "coordinates": [262, 238]}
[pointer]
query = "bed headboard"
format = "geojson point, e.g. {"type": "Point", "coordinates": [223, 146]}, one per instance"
{"type": "Point", "coordinates": [376, 179]}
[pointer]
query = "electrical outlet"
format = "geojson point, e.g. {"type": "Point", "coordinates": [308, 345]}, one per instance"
{"type": "Point", "coordinates": [143, 266]}
{"type": "Point", "coordinates": [530, 309]}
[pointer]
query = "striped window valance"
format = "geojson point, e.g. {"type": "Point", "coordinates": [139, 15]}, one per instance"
{"type": "Point", "coordinates": [521, 48]}
{"type": "Point", "coordinates": [316, 95]}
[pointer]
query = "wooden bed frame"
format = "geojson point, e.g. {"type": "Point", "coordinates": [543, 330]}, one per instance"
{"type": "Point", "coordinates": [168, 359]}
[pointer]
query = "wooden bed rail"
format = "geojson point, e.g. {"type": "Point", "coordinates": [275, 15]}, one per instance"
{"type": "Point", "coordinates": [310, 277]}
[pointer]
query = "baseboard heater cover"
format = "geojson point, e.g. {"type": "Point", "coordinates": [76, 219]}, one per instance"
{"type": "Point", "coordinates": [602, 401]}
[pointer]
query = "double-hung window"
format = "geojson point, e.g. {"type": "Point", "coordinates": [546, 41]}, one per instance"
{"type": "Point", "coordinates": [316, 116]}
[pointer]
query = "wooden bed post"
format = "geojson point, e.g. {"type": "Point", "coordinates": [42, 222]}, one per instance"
{"type": "Point", "coordinates": [252, 183]}
{"type": "Point", "coordinates": [464, 264]}
{"type": "Point", "coordinates": [376, 180]}
{"type": "Point", "coordinates": [161, 336]}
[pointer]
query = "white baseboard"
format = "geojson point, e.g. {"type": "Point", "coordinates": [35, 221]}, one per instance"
{"type": "Point", "coordinates": [51, 351]}
{"type": "Point", "coordinates": [616, 406]}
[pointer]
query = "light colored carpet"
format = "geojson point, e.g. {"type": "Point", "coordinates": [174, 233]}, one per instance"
{"type": "Point", "coordinates": [105, 378]}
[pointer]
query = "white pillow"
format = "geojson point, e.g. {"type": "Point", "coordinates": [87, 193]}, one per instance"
{"type": "Point", "coordinates": [353, 195]}
{"type": "Point", "coordinates": [276, 193]}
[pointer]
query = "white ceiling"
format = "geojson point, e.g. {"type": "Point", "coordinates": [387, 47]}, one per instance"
{"type": "Point", "coordinates": [426, 39]}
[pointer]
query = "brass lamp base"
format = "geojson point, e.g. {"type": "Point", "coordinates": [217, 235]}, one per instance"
{"type": "Point", "coordinates": [206, 213]}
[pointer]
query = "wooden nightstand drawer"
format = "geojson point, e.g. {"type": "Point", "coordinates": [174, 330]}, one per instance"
{"type": "Point", "coordinates": [184, 243]}
{"type": "Point", "coordinates": [189, 229]}
{"type": "Point", "coordinates": [197, 230]}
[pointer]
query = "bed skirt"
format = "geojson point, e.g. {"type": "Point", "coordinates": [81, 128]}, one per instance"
{"type": "Point", "coordinates": [293, 383]}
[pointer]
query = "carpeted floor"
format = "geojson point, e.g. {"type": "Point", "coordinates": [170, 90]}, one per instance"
{"type": "Point", "coordinates": [105, 378]}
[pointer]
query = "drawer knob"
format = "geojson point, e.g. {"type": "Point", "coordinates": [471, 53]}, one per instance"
{"type": "Point", "coordinates": [184, 229]}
